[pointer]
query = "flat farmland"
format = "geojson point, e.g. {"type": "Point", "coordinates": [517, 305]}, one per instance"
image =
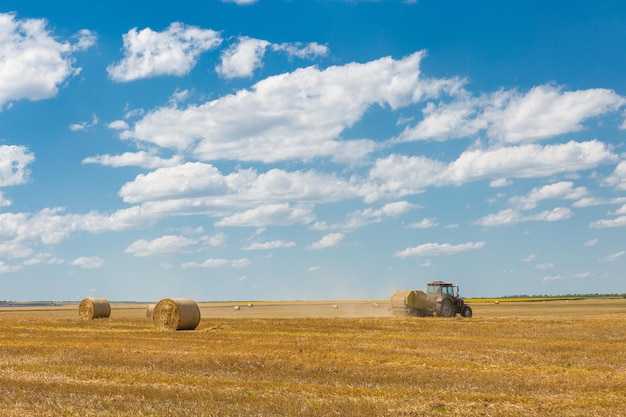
{"type": "Point", "coordinates": [337, 358]}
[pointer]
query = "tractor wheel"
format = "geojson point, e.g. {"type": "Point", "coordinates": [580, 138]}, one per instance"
{"type": "Point", "coordinates": [447, 309]}
{"type": "Point", "coordinates": [467, 311]}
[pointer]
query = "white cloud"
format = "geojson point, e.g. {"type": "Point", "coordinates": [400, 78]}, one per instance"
{"type": "Point", "coordinates": [270, 214]}
{"type": "Point", "coordinates": [593, 201]}
{"type": "Point", "coordinates": [367, 216]}
{"type": "Point", "coordinates": [618, 178]}
{"type": "Point", "coordinates": [546, 265]}
{"type": "Point", "coordinates": [240, 2]}
{"type": "Point", "coordinates": [218, 262]}
{"type": "Point", "coordinates": [78, 127]}
{"type": "Point", "coordinates": [560, 190]}
{"type": "Point", "coordinates": [614, 257]}
{"type": "Point", "coordinates": [292, 116]}
{"type": "Point", "coordinates": [241, 59]}
{"type": "Point", "coordinates": [297, 49]}
{"type": "Point", "coordinates": [118, 125]}
{"type": "Point", "coordinates": [209, 263]}
{"type": "Point", "coordinates": [328, 241]}
{"type": "Point", "coordinates": [511, 216]}
{"type": "Point", "coordinates": [4, 202]}
{"type": "Point", "coordinates": [161, 245]}
{"type": "Point", "coordinates": [141, 159]}
{"type": "Point", "coordinates": [511, 117]}
{"type": "Point", "coordinates": [591, 242]}
{"type": "Point", "coordinates": [6, 268]}
{"type": "Point", "coordinates": [205, 187]}
{"type": "Point", "coordinates": [33, 64]}
{"type": "Point", "coordinates": [616, 222]}
{"type": "Point", "coordinates": [436, 249]}
{"type": "Point", "coordinates": [552, 278]}
{"type": "Point", "coordinates": [274, 244]}
{"type": "Point", "coordinates": [244, 57]}
{"type": "Point", "coordinates": [424, 224]}
{"type": "Point", "coordinates": [13, 165]}
{"type": "Point", "coordinates": [172, 52]}
{"type": "Point", "coordinates": [94, 262]}
{"type": "Point", "coordinates": [400, 175]}
{"type": "Point", "coordinates": [188, 179]}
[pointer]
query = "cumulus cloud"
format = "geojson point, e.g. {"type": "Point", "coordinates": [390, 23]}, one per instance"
{"type": "Point", "coordinates": [561, 190]}
{"type": "Point", "coordinates": [246, 55]}
{"type": "Point", "coordinates": [218, 262]}
{"type": "Point", "coordinates": [274, 244]}
{"type": "Point", "coordinates": [604, 223]}
{"type": "Point", "coordinates": [240, 2]}
{"type": "Point", "coordinates": [160, 245]}
{"type": "Point", "coordinates": [424, 224]}
{"type": "Point", "coordinates": [141, 159]}
{"type": "Point", "coordinates": [328, 241]}
{"type": "Point", "coordinates": [241, 59]}
{"type": "Point", "coordinates": [242, 188]}
{"type": "Point", "coordinates": [618, 178]}
{"type": "Point", "coordinates": [81, 126]}
{"type": "Point", "coordinates": [513, 117]}
{"type": "Point", "coordinates": [400, 175]}
{"type": "Point", "coordinates": [93, 262]}
{"type": "Point", "coordinates": [14, 161]}
{"type": "Point", "coordinates": [512, 216]}
{"type": "Point", "coordinates": [436, 249]}
{"type": "Point", "coordinates": [614, 257]}
{"type": "Point", "coordinates": [33, 63]}
{"type": "Point", "coordinates": [271, 214]}
{"type": "Point", "coordinates": [300, 50]}
{"type": "Point", "coordinates": [367, 216]}
{"type": "Point", "coordinates": [292, 116]}
{"type": "Point", "coordinates": [173, 51]}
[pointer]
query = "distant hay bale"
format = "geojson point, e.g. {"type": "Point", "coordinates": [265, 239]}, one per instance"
{"type": "Point", "coordinates": [250, 305]}
{"type": "Point", "coordinates": [149, 311]}
{"type": "Point", "coordinates": [497, 302]}
{"type": "Point", "coordinates": [376, 305]}
{"type": "Point", "coordinates": [335, 306]}
{"type": "Point", "coordinates": [237, 308]}
{"type": "Point", "coordinates": [176, 314]}
{"type": "Point", "coordinates": [94, 308]}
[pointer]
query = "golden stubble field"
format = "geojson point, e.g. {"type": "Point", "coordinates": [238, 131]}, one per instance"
{"type": "Point", "coordinates": [558, 358]}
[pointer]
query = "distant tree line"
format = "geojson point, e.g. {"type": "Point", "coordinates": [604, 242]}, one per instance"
{"type": "Point", "coordinates": [595, 295]}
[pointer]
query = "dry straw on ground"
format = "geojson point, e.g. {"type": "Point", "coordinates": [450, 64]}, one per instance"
{"type": "Point", "coordinates": [176, 314]}
{"type": "Point", "coordinates": [94, 308]}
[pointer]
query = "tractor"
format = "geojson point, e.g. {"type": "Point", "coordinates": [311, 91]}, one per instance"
{"type": "Point", "coordinates": [441, 299]}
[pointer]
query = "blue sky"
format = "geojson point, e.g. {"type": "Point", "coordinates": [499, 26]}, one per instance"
{"type": "Point", "coordinates": [276, 150]}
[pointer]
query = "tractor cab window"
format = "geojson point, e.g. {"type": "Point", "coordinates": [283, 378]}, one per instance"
{"type": "Point", "coordinates": [448, 291]}
{"type": "Point", "coordinates": [433, 289]}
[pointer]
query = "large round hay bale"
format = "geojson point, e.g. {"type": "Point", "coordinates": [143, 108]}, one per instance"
{"type": "Point", "coordinates": [176, 314]}
{"type": "Point", "coordinates": [149, 310]}
{"type": "Point", "coordinates": [94, 308]}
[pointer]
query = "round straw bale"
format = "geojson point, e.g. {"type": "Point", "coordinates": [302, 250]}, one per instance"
{"type": "Point", "coordinates": [149, 310]}
{"type": "Point", "coordinates": [236, 308]}
{"type": "Point", "coordinates": [94, 308]}
{"type": "Point", "coordinates": [176, 314]}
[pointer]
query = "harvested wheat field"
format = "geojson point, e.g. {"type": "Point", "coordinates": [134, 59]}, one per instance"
{"type": "Point", "coordinates": [560, 358]}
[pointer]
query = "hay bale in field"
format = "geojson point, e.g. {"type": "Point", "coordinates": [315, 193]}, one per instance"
{"type": "Point", "coordinates": [335, 306]}
{"type": "Point", "coordinates": [250, 305]}
{"type": "Point", "coordinates": [376, 305]}
{"type": "Point", "coordinates": [176, 314]}
{"type": "Point", "coordinates": [94, 308]}
{"type": "Point", "coordinates": [149, 310]}
{"type": "Point", "coordinates": [237, 308]}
